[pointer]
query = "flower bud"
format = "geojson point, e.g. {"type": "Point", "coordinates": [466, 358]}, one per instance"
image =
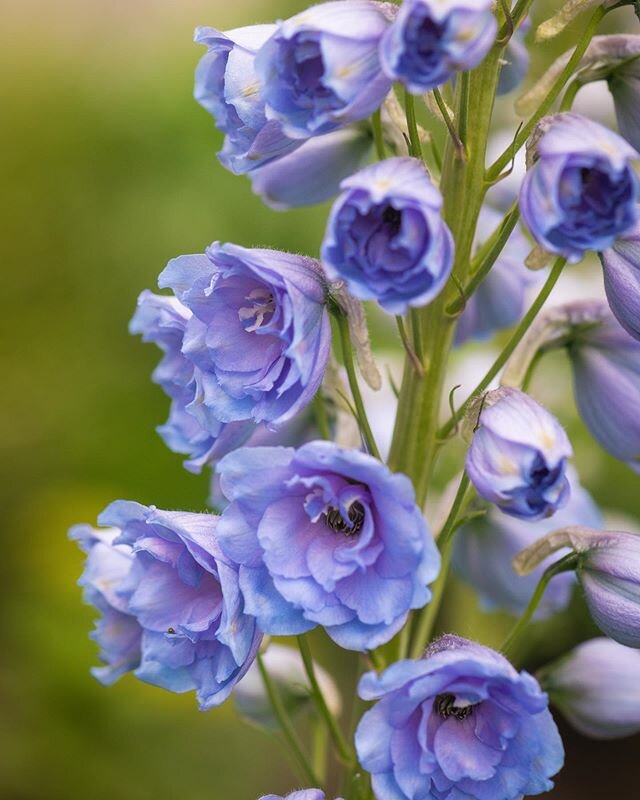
{"type": "Point", "coordinates": [430, 41]}
{"type": "Point", "coordinates": [320, 69]}
{"type": "Point", "coordinates": [608, 569]}
{"type": "Point", "coordinates": [596, 687]}
{"type": "Point", "coordinates": [621, 265]}
{"type": "Point", "coordinates": [581, 192]}
{"type": "Point", "coordinates": [517, 458]}
{"type": "Point", "coordinates": [606, 376]}
{"type": "Point", "coordinates": [287, 672]}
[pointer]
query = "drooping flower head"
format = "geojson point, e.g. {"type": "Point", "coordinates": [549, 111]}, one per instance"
{"type": "Point", "coordinates": [581, 192]}
{"type": "Point", "coordinates": [500, 300]}
{"type": "Point", "coordinates": [431, 40]}
{"type": "Point", "coordinates": [189, 429]}
{"type": "Point", "coordinates": [621, 268]}
{"type": "Point", "coordinates": [596, 687]}
{"type": "Point", "coordinates": [325, 536]}
{"type": "Point", "coordinates": [320, 70]}
{"type": "Point", "coordinates": [485, 548]}
{"type": "Point", "coordinates": [459, 723]}
{"type": "Point", "coordinates": [227, 87]}
{"type": "Point", "coordinates": [518, 456]}
{"type": "Point", "coordinates": [255, 342]}
{"type": "Point", "coordinates": [171, 602]}
{"type": "Point", "coordinates": [385, 236]}
{"type": "Point", "coordinates": [606, 374]}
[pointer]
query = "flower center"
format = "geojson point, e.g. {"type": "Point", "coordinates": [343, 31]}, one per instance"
{"type": "Point", "coordinates": [262, 308]}
{"type": "Point", "coordinates": [352, 526]}
{"type": "Point", "coordinates": [445, 705]}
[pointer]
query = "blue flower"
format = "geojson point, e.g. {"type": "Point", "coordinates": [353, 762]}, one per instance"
{"type": "Point", "coordinates": [228, 88]}
{"type": "Point", "coordinates": [325, 536]}
{"type": "Point", "coordinates": [385, 236]}
{"type": "Point", "coordinates": [581, 192]}
{"type": "Point", "coordinates": [459, 723]}
{"type": "Point", "coordinates": [485, 548]}
{"type": "Point", "coordinates": [500, 300]}
{"type": "Point", "coordinates": [320, 69]}
{"type": "Point", "coordinates": [190, 429]}
{"type": "Point", "coordinates": [313, 173]}
{"type": "Point", "coordinates": [260, 330]}
{"type": "Point", "coordinates": [621, 268]}
{"type": "Point", "coordinates": [596, 687]}
{"type": "Point", "coordinates": [517, 458]}
{"type": "Point", "coordinates": [171, 602]}
{"type": "Point", "coordinates": [606, 374]}
{"type": "Point", "coordinates": [515, 62]}
{"type": "Point", "coordinates": [301, 794]}
{"type": "Point", "coordinates": [431, 40]}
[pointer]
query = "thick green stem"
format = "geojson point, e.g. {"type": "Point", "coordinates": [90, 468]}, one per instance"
{"type": "Point", "coordinates": [565, 564]}
{"type": "Point", "coordinates": [415, 147]}
{"type": "Point", "coordinates": [343, 749]}
{"type": "Point", "coordinates": [285, 724]}
{"type": "Point", "coordinates": [414, 445]}
{"type": "Point", "coordinates": [511, 345]}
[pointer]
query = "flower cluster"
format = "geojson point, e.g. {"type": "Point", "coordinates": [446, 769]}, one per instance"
{"type": "Point", "coordinates": [316, 530]}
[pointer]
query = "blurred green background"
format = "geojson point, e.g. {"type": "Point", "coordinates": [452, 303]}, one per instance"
{"type": "Point", "coordinates": [108, 169]}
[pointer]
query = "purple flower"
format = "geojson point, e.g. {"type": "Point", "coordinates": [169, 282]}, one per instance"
{"type": "Point", "coordinates": [189, 429]}
{"type": "Point", "coordinates": [320, 69]}
{"type": "Point", "coordinates": [517, 458]}
{"type": "Point", "coordinates": [301, 794]}
{"type": "Point", "coordinates": [459, 723]}
{"type": "Point", "coordinates": [259, 332]}
{"type": "Point", "coordinates": [117, 632]}
{"type": "Point", "coordinates": [325, 536]}
{"type": "Point", "coordinates": [385, 236]}
{"type": "Point", "coordinates": [171, 602]}
{"type": "Point", "coordinates": [596, 687]}
{"type": "Point", "coordinates": [624, 85]}
{"type": "Point", "coordinates": [229, 89]}
{"type": "Point", "coordinates": [581, 192]}
{"type": "Point", "coordinates": [431, 40]}
{"type": "Point", "coordinates": [621, 266]}
{"type": "Point", "coordinates": [500, 300]}
{"type": "Point", "coordinates": [313, 173]}
{"type": "Point", "coordinates": [484, 550]}
{"type": "Point", "coordinates": [606, 376]}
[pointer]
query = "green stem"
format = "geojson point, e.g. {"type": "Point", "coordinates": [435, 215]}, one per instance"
{"type": "Point", "coordinates": [565, 564]}
{"type": "Point", "coordinates": [347, 355]}
{"type": "Point", "coordinates": [319, 753]}
{"type": "Point", "coordinates": [415, 148]}
{"type": "Point", "coordinates": [285, 724]}
{"type": "Point", "coordinates": [453, 133]}
{"type": "Point", "coordinates": [511, 345]}
{"type": "Point", "coordinates": [320, 412]}
{"type": "Point", "coordinates": [520, 11]}
{"type": "Point", "coordinates": [408, 346]}
{"type": "Point", "coordinates": [570, 95]}
{"type": "Point", "coordinates": [496, 168]}
{"type": "Point", "coordinates": [445, 542]}
{"type": "Point", "coordinates": [378, 137]}
{"type": "Point", "coordinates": [486, 258]}
{"type": "Point", "coordinates": [343, 749]}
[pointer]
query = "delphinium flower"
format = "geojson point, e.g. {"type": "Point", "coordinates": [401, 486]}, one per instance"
{"type": "Point", "coordinates": [172, 608]}
{"type": "Point", "coordinates": [320, 69]}
{"type": "Point", "coordinates": [485, 547]}
{"type": "Point", "coordinates": [431, 40]}
{"type": "Point", "coordinates": [596, 687]}
{"type": "Point", "coordinates": [325, 536]}
{"type": "Point", "coordinates": [621, 268]}
{"type": "Point", "coordinates": [256, 333]}
{"type": "Point", "coordinates": [606, 373]}
{"type": "Point", "coordinates": [460, 722]}
{"type": "Point", "coordinates": [581, 192]}
{"type": "Point", "coordinates": [518, 455]}
{"type": "Point", "coordinates": [301, 794]}
{"type": "Point", "coordinates": [500, 300]}
{"type": "Point", "coordinates": [607, 565]}
{"type": "Point", "coordinates": [189, 429]}
{"type": "Point", "coordinates": [385, 236]}
{"type": "Point", "coordinates": [227, 86]}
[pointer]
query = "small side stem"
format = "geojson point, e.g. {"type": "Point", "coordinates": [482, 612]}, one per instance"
{"type": "Point", "coordinates": [457, 143]}
{"type": "Point", "coordinates": [343, 749]}
{"type": "Point", "coordinates": [511, 345]}
{"type": "Point", "coordinates": [565, 564]}
{"type": "Point", "coordinates": [412, 125]}
{"type": "Point", "coordinates": [285, 724]}
{"type": "Point", "coordinates": [408, 348]}
{"type": "Point", "coordinates": [320, 412]}
{"type": "Point", "coordinates": [378, 137]}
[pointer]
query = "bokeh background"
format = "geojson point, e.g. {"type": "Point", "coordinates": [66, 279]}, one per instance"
{"type": "Point", "coordinates": [108, 169]}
